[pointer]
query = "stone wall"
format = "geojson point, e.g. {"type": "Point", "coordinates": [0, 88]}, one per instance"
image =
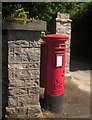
{"type": "Point", "coordinates": [21, 66]}
{"type": "Point", "coordinates": [63, 26]}
{"type": "Point", "coordinates": [23, 74]}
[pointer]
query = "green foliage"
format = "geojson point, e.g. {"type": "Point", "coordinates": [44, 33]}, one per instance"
{"type": "Point", "coordinates": [14, 11]}
{"type": "Point", "coordinates": [44, 10]}
{"type": "Point", "coordinates": [20, 12]}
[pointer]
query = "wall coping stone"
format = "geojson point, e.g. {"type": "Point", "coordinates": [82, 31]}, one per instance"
{"type": "Point", "coordinates": [63, 20]}
{"type": "Point", "coordinates": [63, 17]}
{"type": "Point", "coordinates": [34, 26]}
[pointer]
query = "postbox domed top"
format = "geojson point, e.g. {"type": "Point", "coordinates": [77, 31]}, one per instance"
{"type": "Point", "coordinates": [55, 36]}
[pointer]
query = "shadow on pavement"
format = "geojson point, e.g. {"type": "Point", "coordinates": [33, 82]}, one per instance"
{"type": "Point", "coordinates": [80, 63]}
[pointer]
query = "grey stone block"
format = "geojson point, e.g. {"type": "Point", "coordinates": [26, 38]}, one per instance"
{"type": "Point", "coordinates": [16, 82]}
{"type": "Point", "coordinates": [10, 58]}
{"type": "Point", "coordinates": [31, 65]}
{"type": "Point", "coordinates": [34, 90]}
{"type": "Point", "coordinates": [21, 112]}
{"type": "Point", "coordinates": [10, 49]}
{"type": "Point", "coordinates": [35, 112]}
{"type": "Point", "coordinates": [12, 101]}
{"type": "Point", "coordinates": [10, 111]}
{"type": "Point", "coordinates": [26, 73]}
{"type": "Point", "coordinates": [21, 43]}
{"type": "Point", "coordinates": [10, 44]}
{"type": "Point", "coordinates": [32, 99]}
{"type": "Point", "coordinates": [26, 112]}
{"type": "Point", "coordinates": [11, 73]}
{"type": "Point", "coordinates": [27, 55]}
{"type": "Point", "coordinates": [15, 91]}
{"type": "Point", "coordinates": [31, 82]}
{"type": "Point", "coordinates": [35, 44]}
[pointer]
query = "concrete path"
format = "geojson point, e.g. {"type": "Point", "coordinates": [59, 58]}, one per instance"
{"type": "Point", "coordinates": [81, 73]}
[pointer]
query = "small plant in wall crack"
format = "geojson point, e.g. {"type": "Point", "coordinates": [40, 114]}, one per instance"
{"type": "Point", "coordinates": [42, 34]}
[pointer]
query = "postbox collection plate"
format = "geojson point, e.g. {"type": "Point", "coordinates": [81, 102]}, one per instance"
{"type": "Point", "coordinates": [58, 61]}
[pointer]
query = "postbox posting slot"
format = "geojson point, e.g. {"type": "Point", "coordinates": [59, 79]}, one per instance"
{"type": "Point", "coordinates": [59, 48]}
{"type": "Point", "coordinates": [59, 51]}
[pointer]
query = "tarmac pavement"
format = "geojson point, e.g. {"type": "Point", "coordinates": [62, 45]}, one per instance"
{"type": "Point", "coordinates": [76, 95]}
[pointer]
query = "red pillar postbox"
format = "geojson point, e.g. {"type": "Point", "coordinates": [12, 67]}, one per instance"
{"type": "Point", "coordinates": [53, 69]}
{"type": "Point", "coordinates": [43, 65]}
